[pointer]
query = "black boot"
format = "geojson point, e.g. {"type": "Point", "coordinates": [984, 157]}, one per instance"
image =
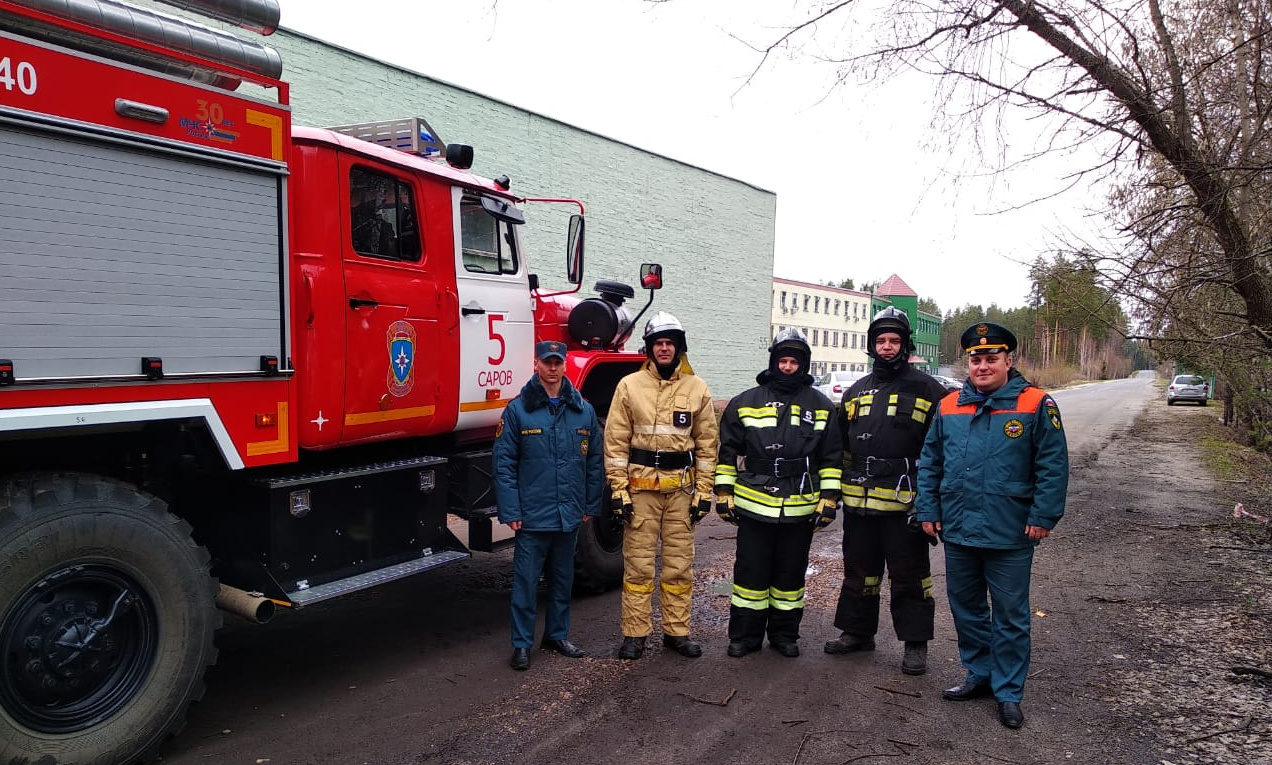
{"type": "Point", "coordinates": [915, 661]}
{"type": "Point", "coordinates": [632, 648]}
{"type": "Point", "coordinates": [683, 645]}
{"type": "Point", "coordinates": [849, 643]}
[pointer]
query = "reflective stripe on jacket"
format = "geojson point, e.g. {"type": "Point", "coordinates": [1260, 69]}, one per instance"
{"type": "Point", "coordinates": [654, 414]}
{"type": "Point", "coordinates": [886, 416]}
{"type": "Point", "coordinates": [758, 429]}
{"type": "Point", "coordinates": [992, 465]}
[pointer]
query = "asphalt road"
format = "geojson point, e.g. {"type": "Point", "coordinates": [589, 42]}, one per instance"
{"type": "Point", "coordinates": [416, 672]}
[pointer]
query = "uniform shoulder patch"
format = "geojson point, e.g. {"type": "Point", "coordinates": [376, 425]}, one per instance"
{"type": "Point", "coordinates": [499, 428]}
{"type": "Point", "coordinates": [1052, 411]}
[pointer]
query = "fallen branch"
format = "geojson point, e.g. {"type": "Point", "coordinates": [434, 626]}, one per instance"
{"type": "Point", "coordinates": [899, 741]}
{"type": "Point", "coordinates": [724, 703]}
{"type": "Point", "coordinates": [1102, 599]}
{"type": "Point", "coordinates": [1243, 728]}
{"type": "Point", "coordinates": [1252, 671]}
{"type": "Point", "coordinates": [810, 734]}
{"type": "Point", "coordinates": [911, 710]}
{"type": "Point", "coordinates": [1244, 549]}
{"type": "Point", "coordinates": [899, 693]}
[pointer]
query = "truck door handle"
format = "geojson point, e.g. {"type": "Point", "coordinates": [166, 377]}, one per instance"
{"type": "Point", "coordinates": [363, 303]}
{"type": "Point", "coordinates": [472, 311]}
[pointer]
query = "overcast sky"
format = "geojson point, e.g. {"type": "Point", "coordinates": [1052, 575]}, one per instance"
{"type": "Point", "coordinates": [864, 187]}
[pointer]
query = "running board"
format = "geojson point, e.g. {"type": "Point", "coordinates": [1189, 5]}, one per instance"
{"type": "Point", "coordinates": [308, 595]}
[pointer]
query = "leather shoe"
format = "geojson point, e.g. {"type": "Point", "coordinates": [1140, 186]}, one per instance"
{"type": "Point", "coordinates": [520, 659]}
{"type": "Point", "coordinates": [683, 645]}
{"type": "Point", "coordinates": [632, 648]}
{"type": "Point", "coordinates": [563, 647]}
{"type": "Point", "coordinates": [966, 691]}
{"type": "Point", "coordinates": [1010, 713]}
{"type": "Point", "coordinates": [789, 650]}
{"type": "Point", "coordinates": [740, 648]}
{"type": "Point", "coordinates": [849, 643]}
{"type": "Point", "coordinates": [915, 660]}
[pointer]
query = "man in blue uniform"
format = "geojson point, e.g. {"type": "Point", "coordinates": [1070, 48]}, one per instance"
{"type": "Point", "coordinates": [548, 480]}
{"type": "Point", "coordinates": [992, 481]}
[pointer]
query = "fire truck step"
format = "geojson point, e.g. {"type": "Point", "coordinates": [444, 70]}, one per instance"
{"type": "Point", "coordinates": [306, 596]}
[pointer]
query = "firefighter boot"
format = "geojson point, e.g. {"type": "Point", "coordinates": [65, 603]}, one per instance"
{"type": "Point", "coordinates": [683, 645]}
{"type": "Point", "coordinates": [850, 643]}
{"type": "Point", "coordinates": [632, 648]}
{"type": "Point", "coordinates": [915, 661]}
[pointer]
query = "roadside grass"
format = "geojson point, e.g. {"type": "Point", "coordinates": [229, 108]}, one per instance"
{"type": "Point", "coordinates": [1244, 475]}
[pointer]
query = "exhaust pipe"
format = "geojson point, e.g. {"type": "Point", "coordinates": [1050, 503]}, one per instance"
{"type": "Point", "coordinates": [252, 606]}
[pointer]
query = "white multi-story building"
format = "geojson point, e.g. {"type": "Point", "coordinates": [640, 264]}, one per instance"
{"type": "Point", "coordinates": [835, 321]}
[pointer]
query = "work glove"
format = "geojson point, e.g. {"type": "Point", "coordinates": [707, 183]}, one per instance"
{"type": "Point", "coordinates": [825, 513]}
{"type": "Point", "coordinates": [913, 524]}
{"type": "Point", "coordinates": [621, 505]}
{"type": "Point", "coordinates": [724, 506]}
{"type": "Point", "coordinates": [700, 508]}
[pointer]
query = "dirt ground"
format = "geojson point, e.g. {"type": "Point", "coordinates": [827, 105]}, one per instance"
{"type": "Point", "coordinates": [1152, 646]}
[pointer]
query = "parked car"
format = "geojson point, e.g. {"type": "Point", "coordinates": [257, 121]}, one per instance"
{"type": "Point", "coordinates": [1188, 388]}
{"type": "Point", "coordinates": [949, 382]}
{"type": "Point", "coordinates": [836, 384]}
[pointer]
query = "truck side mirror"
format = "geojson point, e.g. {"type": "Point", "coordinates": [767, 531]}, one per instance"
{"type": "Point", "coordinates": [574, 251]}
{"type": "Point", "coordinates": [651, 276]}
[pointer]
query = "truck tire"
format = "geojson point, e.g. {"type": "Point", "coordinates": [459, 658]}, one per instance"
{"type": "Point", "coordinates": [106, 621]}
{"type": "Point", "coordinates": [598, 555]}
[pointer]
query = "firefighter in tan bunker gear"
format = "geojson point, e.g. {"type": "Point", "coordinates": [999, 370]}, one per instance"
{"type": "Point", "coordinates": [661, 439]}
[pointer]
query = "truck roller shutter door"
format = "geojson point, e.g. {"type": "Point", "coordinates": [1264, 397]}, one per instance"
{"type": "Point", "coordinates": [111, 251]}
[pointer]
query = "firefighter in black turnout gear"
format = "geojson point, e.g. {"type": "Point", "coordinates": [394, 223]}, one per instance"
{"type": "Point", "coordinates": [884, 418]}
{"type": "Point", "coordinates": [777, 479]}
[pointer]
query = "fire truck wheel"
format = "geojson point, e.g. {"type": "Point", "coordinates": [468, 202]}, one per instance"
{"type": "Point", "coordinates": [598, 555]}
{"type": "Point", "coordinates": [106, 620]}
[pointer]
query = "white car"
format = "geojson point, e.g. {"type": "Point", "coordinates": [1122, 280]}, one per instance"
{"type": "Point", "coordinates": [949, 382]}
{"type": "Point", "coordinates": [836, 384]}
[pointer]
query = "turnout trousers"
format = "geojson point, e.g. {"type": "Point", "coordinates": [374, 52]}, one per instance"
{"type": "Point", "coordinates": [870, 541]}
{"type": "Point", "coordinates": [657, 519]}
{"type": "Point", "coordinates": [768, 581]}
{"type": "Point", "coordinates": [993, 634]}
{"type": "Point", "coordinates": [531, 549]}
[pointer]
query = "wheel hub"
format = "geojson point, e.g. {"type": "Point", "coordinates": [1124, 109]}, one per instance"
{"type": "Point", "coordinates": [76, 646]}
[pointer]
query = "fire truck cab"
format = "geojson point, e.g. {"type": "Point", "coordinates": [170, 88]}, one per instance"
{"type": "Point", "coordinates": [244, 366]}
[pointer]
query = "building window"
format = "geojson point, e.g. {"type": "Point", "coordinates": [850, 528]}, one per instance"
{"type": "Point", "coordinates": [806, 302]}
{"type": "Point", "coordinates": [814, 337]}
{"type": "Point", "coordinates": [783, 298]}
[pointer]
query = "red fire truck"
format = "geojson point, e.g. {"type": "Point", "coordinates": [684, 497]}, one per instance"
{"type": "Point", "coordinates": [243, 364]}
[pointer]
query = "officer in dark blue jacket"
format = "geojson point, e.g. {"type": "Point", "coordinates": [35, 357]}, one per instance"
{"type": "Point", "coordinates": [548, 480]}
{"type": "Point", "coordinates": [992, 481]}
